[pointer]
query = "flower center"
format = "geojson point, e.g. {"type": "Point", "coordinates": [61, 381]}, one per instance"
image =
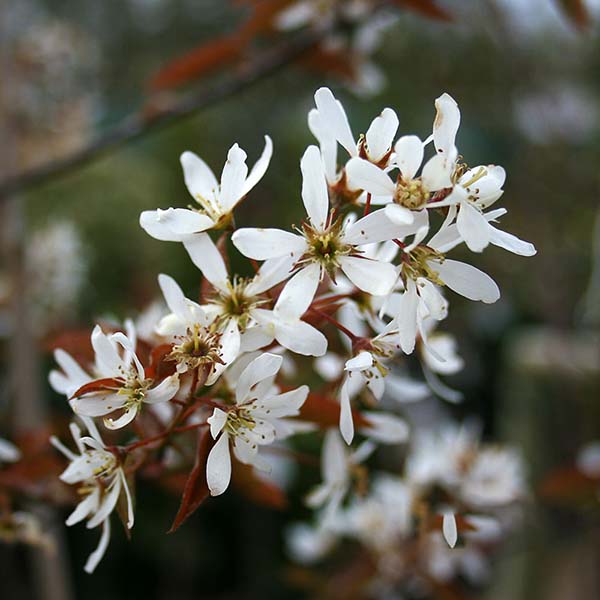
{"type": "Point", "coordinates": [239, 420]}
{"type": "Point", "coordinates": [411, 194]}
{"type": "Point", "coordinates": [198, 347]}
{"type": "Point", "coordinates": [416, 264]}
{"type": "Point", "coordinates": [325, 247]}
{"type": "Point", "coordinates": [236, 303]}
{"type": "Point", "coordinates": [134, 389]}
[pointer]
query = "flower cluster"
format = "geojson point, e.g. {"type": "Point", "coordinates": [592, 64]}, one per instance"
{"type": "Point", "coordinates": [358, 286]}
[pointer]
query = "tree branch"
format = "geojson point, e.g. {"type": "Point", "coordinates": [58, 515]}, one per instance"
{"type": "Point", "coordinates": [143, 123]}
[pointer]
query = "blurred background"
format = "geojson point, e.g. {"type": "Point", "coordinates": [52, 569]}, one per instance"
{"type": "Point", "coordinates": [528, 84]}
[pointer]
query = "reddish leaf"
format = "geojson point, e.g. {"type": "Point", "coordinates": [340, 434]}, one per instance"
{"type": "Point", "coordinates": [77, 343]}
{"type": "Point", "coordinates": [196, 488]}
{"type": "Point", "coordinates": [330, 61]}
{"type": "Point", "coordinates": [198, 62]}
{"type": "Point", "coordinates": [325, 411]}
{"type": "Point", "coordinates": [159, 367]}
{"type": "Point", "coordinates": [426, 8]}
{"type": "Point", "coordinates": [577, 12]}
{"type": "Point", "coordinates": [255, 488]}
{"type": "Point", "coordinates": [567, 484]}
{"type": "Point", "coordinates": [98, 385]}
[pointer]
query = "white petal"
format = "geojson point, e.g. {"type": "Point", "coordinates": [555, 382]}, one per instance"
{"type": "Point", "coordinates": [198, 176]}
{"type": "Point", "coordinates": [327, 143]}
{"type": "Point", "coordinates": [467, 280]}
{"type": "Point", "coordinates": [346, 422]}
{"type": "Point", "coordinates": [8, 452]}
{"type": "Point", "coordinates": [217, 421]}
{"type": "Point", "coordinates": [380, 135]}
{"type": "Point", "coordinates": [271, 272]}
{"type": "Point", "coordinates": [174, 297]}
{"type": "Point", "coordinates": [182, 222]}
{"type": "Point", "coordinates": [386, 428]}
{"type": "Point", "coordinates": [218, 466]}
{"type": "Point", "coordinates": [437, 173]}
{"type": "Point", "coordinates": [375, 227]}
{"type": "Point", "coordinates": [107, 356]}
{"type": "Point", "coordinates": [107, 505]}
{"type": "Point", "coordinates": [262, 244]}
{"type": "Point", "coordinates": [511, 242]}
{"type": "Point", "coordinates": [301, 338]}
{"type": "Point", "coordinates": [97, 555]}
{"type": "Point", "coordinates": [449, 529]}
{"type": "Point", "coordinates": [334, 458]}
{"type": "Point", "coordinates": [233, 178]}
{"type": "Point", "coordinates": [371, 276]}
{"type": "Point", "coordinates": [260, 167]}
{"type": "Point", "coordinates": [88, 505]}
{"type": "Point", "coordinates": [363, 360]}
{"type": "Point", "coordinates": [406, 318]}
{"type": "Point", "coordinates": [266, 365]}
{"type": "Point", "coordinates": [152, 223]}
{"type": "Point", "coordinates": [334, 117]}
{"type": "Point", "coordinates": [366, 176]}
{"type": "Point", "coordinates": [399, 215]}
{"type": "Point", "coordinates": [298, 293]}
{"type": "Point", "coordinates": [164, 391]}
{"type": "Point", "coordinates": [409, 155]}
{"type": "Point", "coordinates": [126, 418]}
{"type": "Point", "coordinates": [447, 121]}
{"type": "Point", "coordinates": [473, 227]}
{"type": "Point", "coordinates": [206, 256]}
{"type": "Point", "coordinates": [314, 187]}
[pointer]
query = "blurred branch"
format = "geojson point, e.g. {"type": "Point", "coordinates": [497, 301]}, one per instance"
{"type": "Point", "coordinates": [147, 121]}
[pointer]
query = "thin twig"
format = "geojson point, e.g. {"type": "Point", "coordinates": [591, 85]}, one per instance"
{"type": "Point", "coordinates": [143, 123]}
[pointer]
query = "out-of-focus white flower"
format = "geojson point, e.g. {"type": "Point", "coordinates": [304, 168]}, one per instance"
{"type": "Point", "coordinates": [217, 200]}
{"type": "Point", "coordinates": [308, 544]}
{"type": "Point", "coordinates": [100, 480]}
{"type": "Point", "coordinates": [258, 417]}
{"type": "Point", "coordinates": [588, 460]}
{"type": "Point", "coordinates": [123, 386]}
{"type": "Point", "coordinates": [9, 453]}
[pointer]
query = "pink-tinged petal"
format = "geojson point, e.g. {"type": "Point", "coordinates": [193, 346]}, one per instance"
{"type": "Point", "coordinates": [449, 529]}
{"type": "Point", "coordinates": [263, 244]}
{"type": "Point", "coordinates": [199, 178]}
{"type": "Point", "coordinates": [333, 116]}
{"type": "Point", "coordinates": [314, 187]}
{"type": "Point", "coordinates": [409, 155]}
{"type": "Point", "coordinates": [266, 365]}
{"type": "Point", "coordinates": [301, 338]}
{"type": "Point", "coordinates": [346, 422]}
{"type": "Point", "coordinates": [164, 391]}
{"type": "Point", "coordinates": [298, 293]}
{"type": "Point", "coordinates": [260, 167]}
{"type": "Point", "coordinates": [446, 124]}
{"type": "Point", "coordinates": [218, 466]}
{"type": "Point", "coordinates": [399, 215]}
{"type": "Point", "coordinates": [371, 276]}
{"type": "Point", "coordinates": [366, 176]}
{"type": "Point", "coordinates": [380, 135]}
{"type": "Point", "coordinates": [233, 178]}
{"type": "Point", "coordinates": [467, 280]}
{"type": "Point", "coordinates": [473, 227]}
{"type": "Point", "coordinates": [206, 256]}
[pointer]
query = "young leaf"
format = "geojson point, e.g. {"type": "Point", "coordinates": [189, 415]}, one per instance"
{"type": "Point", "coordinates": [196, 489]}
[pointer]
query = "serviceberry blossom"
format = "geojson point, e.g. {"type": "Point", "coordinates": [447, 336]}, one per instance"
{"type": "Point", "coordinates": [359, 286]}
{"type": "Point", "coordinates": [123, 387]}
{"type": "Point", "coordinates": [258, 417]}
{"type": "Point", "coordinates": [9, 453]}
{"type": "Point", "coordinates": [100, 481]}
{"type": "Point", "coordinates": [216, 200]}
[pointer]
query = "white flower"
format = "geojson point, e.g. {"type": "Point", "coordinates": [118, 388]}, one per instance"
{"type": "Point", "coordinates": [588, 460]}
{"type": "Point", "coordinates": [217, 200]}
{"type": "Point", "coordinates": [329, 124]}
{"type": "Point", "coordinates": [239, 301]}
{"type": "Point", "coordinates": [495, 478]}
{"type": "Point", "coordinates": [197, 346]}
{"type": "Point", "coordinates": [326, 245]}
{"type": "Point", "coordinates": [8, 452]}
{"type": "Point", "coordinates": [100, 480]}
{"type": "Point", "coordinates": [258, 417]}
{"type": "Point", "coordinates": [123, 386]}
{"type": "Point", "coordinates": [411, 192]}
{"type": "Point", "coordinates": [337, 465]}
